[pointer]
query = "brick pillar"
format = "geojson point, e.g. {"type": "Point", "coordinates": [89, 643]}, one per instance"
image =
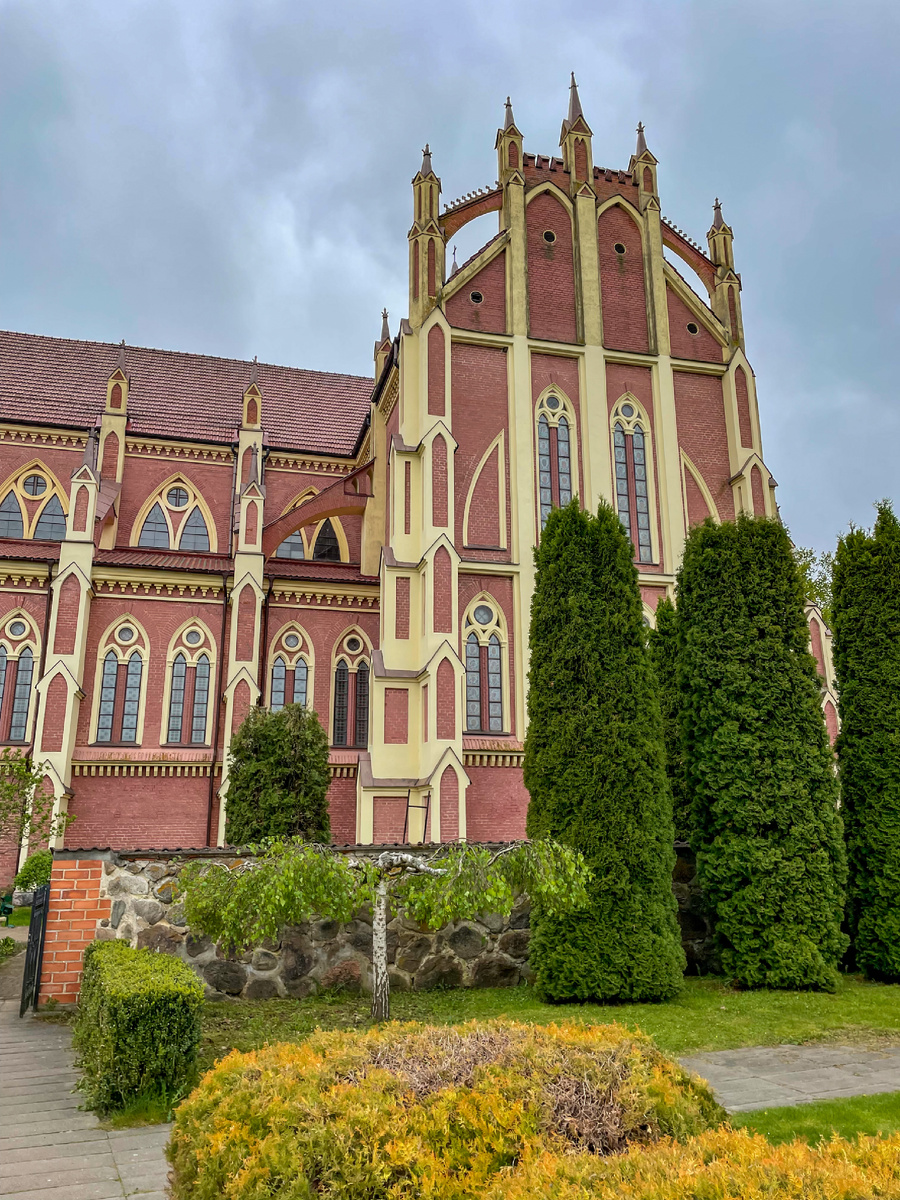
{"type": "Point", "coordinates": [73, 920]}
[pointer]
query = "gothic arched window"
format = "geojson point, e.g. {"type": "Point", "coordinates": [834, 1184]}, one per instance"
{"type": "Point", "coordinates": [327, 548]}
{"type": "Point", "coordinates": [292, 547]}
{"type": "Point", "coordinates": [484, 670]}
{"type": "Point", "coordinates": [341, 688]}
{"type": "Point", "coordinates": [11, 524]}
{"type": "Point", "coordinates": [632, 471]}
{"type": "Point", "coordinates": [188, 701]}
{"type": "Point", "coordinates": [120, 699]}
{"type": "Point", "coordinates": [15, 695]}
{"type": "Point", "coordinates": [155, 530]}
{"type": "Point", "coordinates": [194, 535]}
{"type": "Point", "coordinates": [554, 444]}
{"type": "Point", "coordinates": [361, 723]}
{"type": "Point", "coordinates": [51, 526]}
{"type": "Point", "coordinates": [289, 684]}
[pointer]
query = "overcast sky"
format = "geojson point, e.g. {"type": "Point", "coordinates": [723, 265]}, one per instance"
{"type": "Point", "coordinates": [232, 178]}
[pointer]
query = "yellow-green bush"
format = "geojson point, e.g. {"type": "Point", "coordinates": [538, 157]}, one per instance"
{"type": "Point", "coordinates": [408, 1110]}
{"type": "Point", "coordinates": [718, 1165]}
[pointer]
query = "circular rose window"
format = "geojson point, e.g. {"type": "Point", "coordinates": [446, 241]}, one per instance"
{"type": "Point", "coordinates": [177, 497]}
{"type": "Point", "coordinates": [292, 641]}
{"type": "Point", "coordinates": [193, 637]}
{"type": "Point", "coordinates": [627, 410]}
{"type": "Point", "coordinates": [353, 644]}
{"type": "Point", "coordinates": [483, 614]}
{"type": "Point", "coordinates": [125, 634]}
{"type": "Point", "coordinates": [17, 628]}
{"type": "Point", "coordinates": [35, 485]}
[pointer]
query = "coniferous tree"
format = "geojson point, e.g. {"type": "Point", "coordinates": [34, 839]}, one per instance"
{"type": "Point", "coordinates": [758, 767]}
{"type": "Point", "coordinates": [595, 768]}
{"type": "Point", "coordinates": [278, 777]}
{"type": "Point", "coordinates": [663, 644]}
{"type": "Point", "coordinates": [867, 662]}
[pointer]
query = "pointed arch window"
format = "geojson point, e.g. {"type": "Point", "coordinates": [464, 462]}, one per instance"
{"type": "Point", "coordinates": [3, 665]}
{"type": "Point", "coordinates": [632, 494]}
{"type": "Point", "coordinates": [289, 684]}
{"type": "Point", "coordinates": [351, 705]}
{"type": "Point", "coordinates": [51, 526]}
{"type": "Point", "coordinates": [194, 535]}
{"type": "Point", "coordinates": [11, 524]}
{"type": "Point", "coordinates": [16, 676]}
{"type": "Point", "coordinates": [341, 688]}
{"type": "Point", "coordinates": [327, 548]}
{"type": "Point", "coordinates": [361, 722]}
{"type": "Point", "coordinates": [188, 701]}
{"type": "Point", "coordinates": [484, 685]}
{"type": "Point", "coordinates": [120, 699]}
{"type": "Point", "coordinates": [554, 457]}
{"type": "Point", "coordinates": [155, 530]}
{"type": "Point", "coordinates": [292, 547]}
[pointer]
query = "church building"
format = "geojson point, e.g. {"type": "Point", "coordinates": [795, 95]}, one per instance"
{"type": "Point", "coordinates": [183, 537]}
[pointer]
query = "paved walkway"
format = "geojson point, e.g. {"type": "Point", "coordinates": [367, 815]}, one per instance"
{"type": "Point", "coordinates": [770, 1076]}
{"type": "Point", "coordinates": [49, 1148]}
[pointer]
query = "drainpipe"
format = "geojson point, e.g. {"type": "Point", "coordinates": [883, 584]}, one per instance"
{"type": "Point", "coordinates": [217, 718]}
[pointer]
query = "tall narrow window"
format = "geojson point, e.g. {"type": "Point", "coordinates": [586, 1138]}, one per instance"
{"type": "Point", "coordinates": [120, 699]}
{"type": "Point", "coordinates": [18, 724]}
{"type": "Point", "coordinates": [326, 548]}
{"type": "Point", "coordinates": [176, 697]}
{"type": "Point", "coordinates": [361, 731]}
{"type": "Point", "coordinates": [11, 525]}
{"type": "Point", "coordinates": [632, 495]}
{"type": "Point", "coordinates": [195, 535]}
{"type": "Point", "coordinates": [554, 446]}
{"type": "Point", "coordinates": [288, 685]}
{"type": "Point", "coordinates": [155, 530]}
{"type": "Point", "coordinates": [484, 675]}
{"type": "Point", "coordinates": [292, 547]}
{"type": "Point", "coordinates": [3, 662]}
{"type": "Point", "coordinates": [301, 672]}
{"type": "Point", "coordinates": [279, 671]}
{"type": "Point", "coordinates": [51, 526]}
{"type": "Point", "coordinates": [201, 700]}
{"type": "Point", "coordinates": [341, 688]}
{"type": "Point", "coordinates": [495, 686]}
{"type": "Point", "coordinates": [473, 683]}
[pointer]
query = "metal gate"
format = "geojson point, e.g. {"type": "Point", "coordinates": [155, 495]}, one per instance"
{"type": "Point", "coordinates": [34, 953]}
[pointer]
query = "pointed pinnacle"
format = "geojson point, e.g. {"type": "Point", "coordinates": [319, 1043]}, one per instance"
{"type": "Point", "coordinates": [454, 267]}
{"type": "Point", "coordinates": [254, 466]}
{"type": "Point", "coordinates": [718, 221]}
{"type": "Point", "coordinates": [121, 362]}
{"type": "Point", "coordinates": [508, 119]}
{"type": "Point", "coordinates": [641, 141]}
{"type": "Point", "coordinates": [426, 160]}
{"type": "Point", "coordinates": [574, 102]}
{"type": "Point", "coordinates": [385, 328]}
{"type": "Point", "coordinates": [254, 374]}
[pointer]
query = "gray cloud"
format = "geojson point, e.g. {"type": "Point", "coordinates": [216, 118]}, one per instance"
{"type": "Point", "coordinates": [233, 178]}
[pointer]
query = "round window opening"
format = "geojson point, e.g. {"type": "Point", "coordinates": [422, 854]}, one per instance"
{"type": "Point", "coordinates": [125, 634]}
{"type": "Point", "coordinates": [619, 247]}
{"type": "Point", "coordinates": [292, 641]}
{"type": "Point", "coordinates": [35, 485]}
{"type": "Point", "coordinates": [17, 628]}
{"type": "Point", "coordinates": [552, 403]}
{"type": "Point", "coordinates": [483, 614]}
{"type": "Point", "coordinates": [353, 644]}
{"type": "Point", "coordinates": [627, 410]}
{"type": "Point", "coordinates": [177, 497]}
{"type": "Point", "coordinates": [549, 237]}
{"type": "Point", "coordinates": [193, 637]}
{"type": "Point", "coordinates": [692, 328]}
{"type": "Point", "coordinates": [476, 297]}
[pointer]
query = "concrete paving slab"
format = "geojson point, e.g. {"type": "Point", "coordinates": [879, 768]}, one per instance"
{"type": "Point", "coordinates": [64, 1177]}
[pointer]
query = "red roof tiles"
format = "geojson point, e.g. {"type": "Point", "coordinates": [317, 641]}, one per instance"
{"type": "Point", "coordinates": [56, 381]}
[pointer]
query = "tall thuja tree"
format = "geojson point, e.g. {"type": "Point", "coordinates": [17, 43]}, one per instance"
{"type": "Point", "coordinates": [595, 768]}
{"type": "Point", "coordinates": [663, 644]}
{"type": "Point", "coordinates": [758, 767]}
{"type": "Point", "coordinates": [866, 613]}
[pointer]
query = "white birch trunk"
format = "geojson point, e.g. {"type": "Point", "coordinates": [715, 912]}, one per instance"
{"type": "Point", "coordinates": [381, 984]}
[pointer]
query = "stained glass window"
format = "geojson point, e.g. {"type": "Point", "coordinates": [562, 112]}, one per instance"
{"type": "Point", "coordinates": [155, 531]}
{"type": "Point", "coordinates": [11, 517]}
{"type": "Point", "coordinates": [201, 700]}
{"type": "Point", "coordinates": [108, 683]}
{"type": "Point", "coordinates": [278, 677]}
{"type": "Point", "coordinates": [341, 685]}
{"type": "Point", "coordinates": [132, 703]}
{"type": "Point", "coordinates": [176, 698]}
{"type": "Point", "coordinates": [361, 731]}
{"type": "Point", "coordinates": [21, 697]}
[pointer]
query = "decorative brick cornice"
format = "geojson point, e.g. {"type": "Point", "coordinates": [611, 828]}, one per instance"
{"type": "Point", "coordinates": [32, 436]}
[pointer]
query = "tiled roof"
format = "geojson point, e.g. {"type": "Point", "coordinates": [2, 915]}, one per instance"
{"type": "Point", "coordinates": [172, 560]}
{"type": "Point", "coordinates": [56, 381]}
{"type": "Point", "coordinates": [318, 572]}
{"type": "Point", "coordinates": [16, 548]}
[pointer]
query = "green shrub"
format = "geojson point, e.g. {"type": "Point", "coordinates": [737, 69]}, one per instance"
{"type": "Point", "coordinates": [418, 1111]}
{"type": "Point", "coordinates": [278, 777]}
{"type": "Point", "coordinates": [663, 646]}
{"type": "Point", "coordinates": [35, 871]}
{"type": "Point", "coordinates": [8, 947]}
{"type": "Point", "coordinates": [758, 766]}
{"type": "Point", "coordinates": [867, 661]}
{"type": "Point", "coordinates": [595, 768]}
{"type": "Point", "coordinates": [138, 1025]}
{"type": "Point", "coordinates": [719, 1165]}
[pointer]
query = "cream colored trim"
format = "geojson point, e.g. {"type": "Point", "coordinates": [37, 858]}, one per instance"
{"type": "Point", "coordinates": [466, 274]}
{"type": "Point", "coordinates": [695, 304]}
{"type": "Point", "coordinates": [306, 650]}
{"type": "Point", "coordinates": [192, 655]}
{"type": "Point", "coordinates": [14, 482]}
{"type": "Point", "coordinates": [549, 186]}
{"type": "Point", "coordinates": [621, 202]}
{"type": "Point", "coordinates": [484, 633]}
{"type": "Point", "coordinates": [158, 495]}
{"type": "Point", "coordinates": [499, 441]}
{"type": "Point", "coordinates": [352, 660]}
{"type": "Point", "coordinates": [687, 465]}
{"type": "Point", "coordinates": [106, 642]}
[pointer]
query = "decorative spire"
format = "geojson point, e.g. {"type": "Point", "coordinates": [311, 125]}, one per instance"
{"type": "Point", "coordinates": [89, 458]}
{"type": "Point", "coordinates": [385, 328]}
{"type": "Point", "coordinates": [121, 362]}
{"type": "Point", "coordinates": [508, 119]}
{"type": "Point", "coordinates": [574, 102]}
{"type": "Point", "coordinates": [454, 268]}
{"type": "Point", "coordinates": [641, 141]}
{"type": "Point", "coordinates": [254, 371]}
{"type": "Point", "coordinates": [426, 160]}
{"type": "Point", "coordinates": [254, 465]}
{"type": "Point", "coordinates": [718, 221]}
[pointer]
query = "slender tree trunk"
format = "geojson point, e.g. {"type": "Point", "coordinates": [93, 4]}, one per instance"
{"type": "Point", "coordinates": [381, 984]}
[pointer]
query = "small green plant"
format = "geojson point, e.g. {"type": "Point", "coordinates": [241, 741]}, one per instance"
{"type": "Point", "coordinates": [27, 807]}
{"type": "Point", "coordinates": [9, 947]}
{"type": "Point", "coordinates": [35, 871]}
{"type": "Point", "coordinates": [138, 1026]}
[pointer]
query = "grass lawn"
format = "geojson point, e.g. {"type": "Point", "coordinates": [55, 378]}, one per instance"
{"type": "Point", "coordinates": [708, 1015]}
{"type": "Point", "coordinates": [19, 916]}
{"type": "Point", "coordinates": [815, 1122]}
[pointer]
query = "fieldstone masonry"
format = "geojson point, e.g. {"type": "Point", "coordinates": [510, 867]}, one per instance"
{"type": "Point", "coordinates": [135, 898]}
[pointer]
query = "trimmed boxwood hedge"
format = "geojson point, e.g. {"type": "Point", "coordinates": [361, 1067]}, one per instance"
{"type": "Point", "coordinates": [138, 1025]}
